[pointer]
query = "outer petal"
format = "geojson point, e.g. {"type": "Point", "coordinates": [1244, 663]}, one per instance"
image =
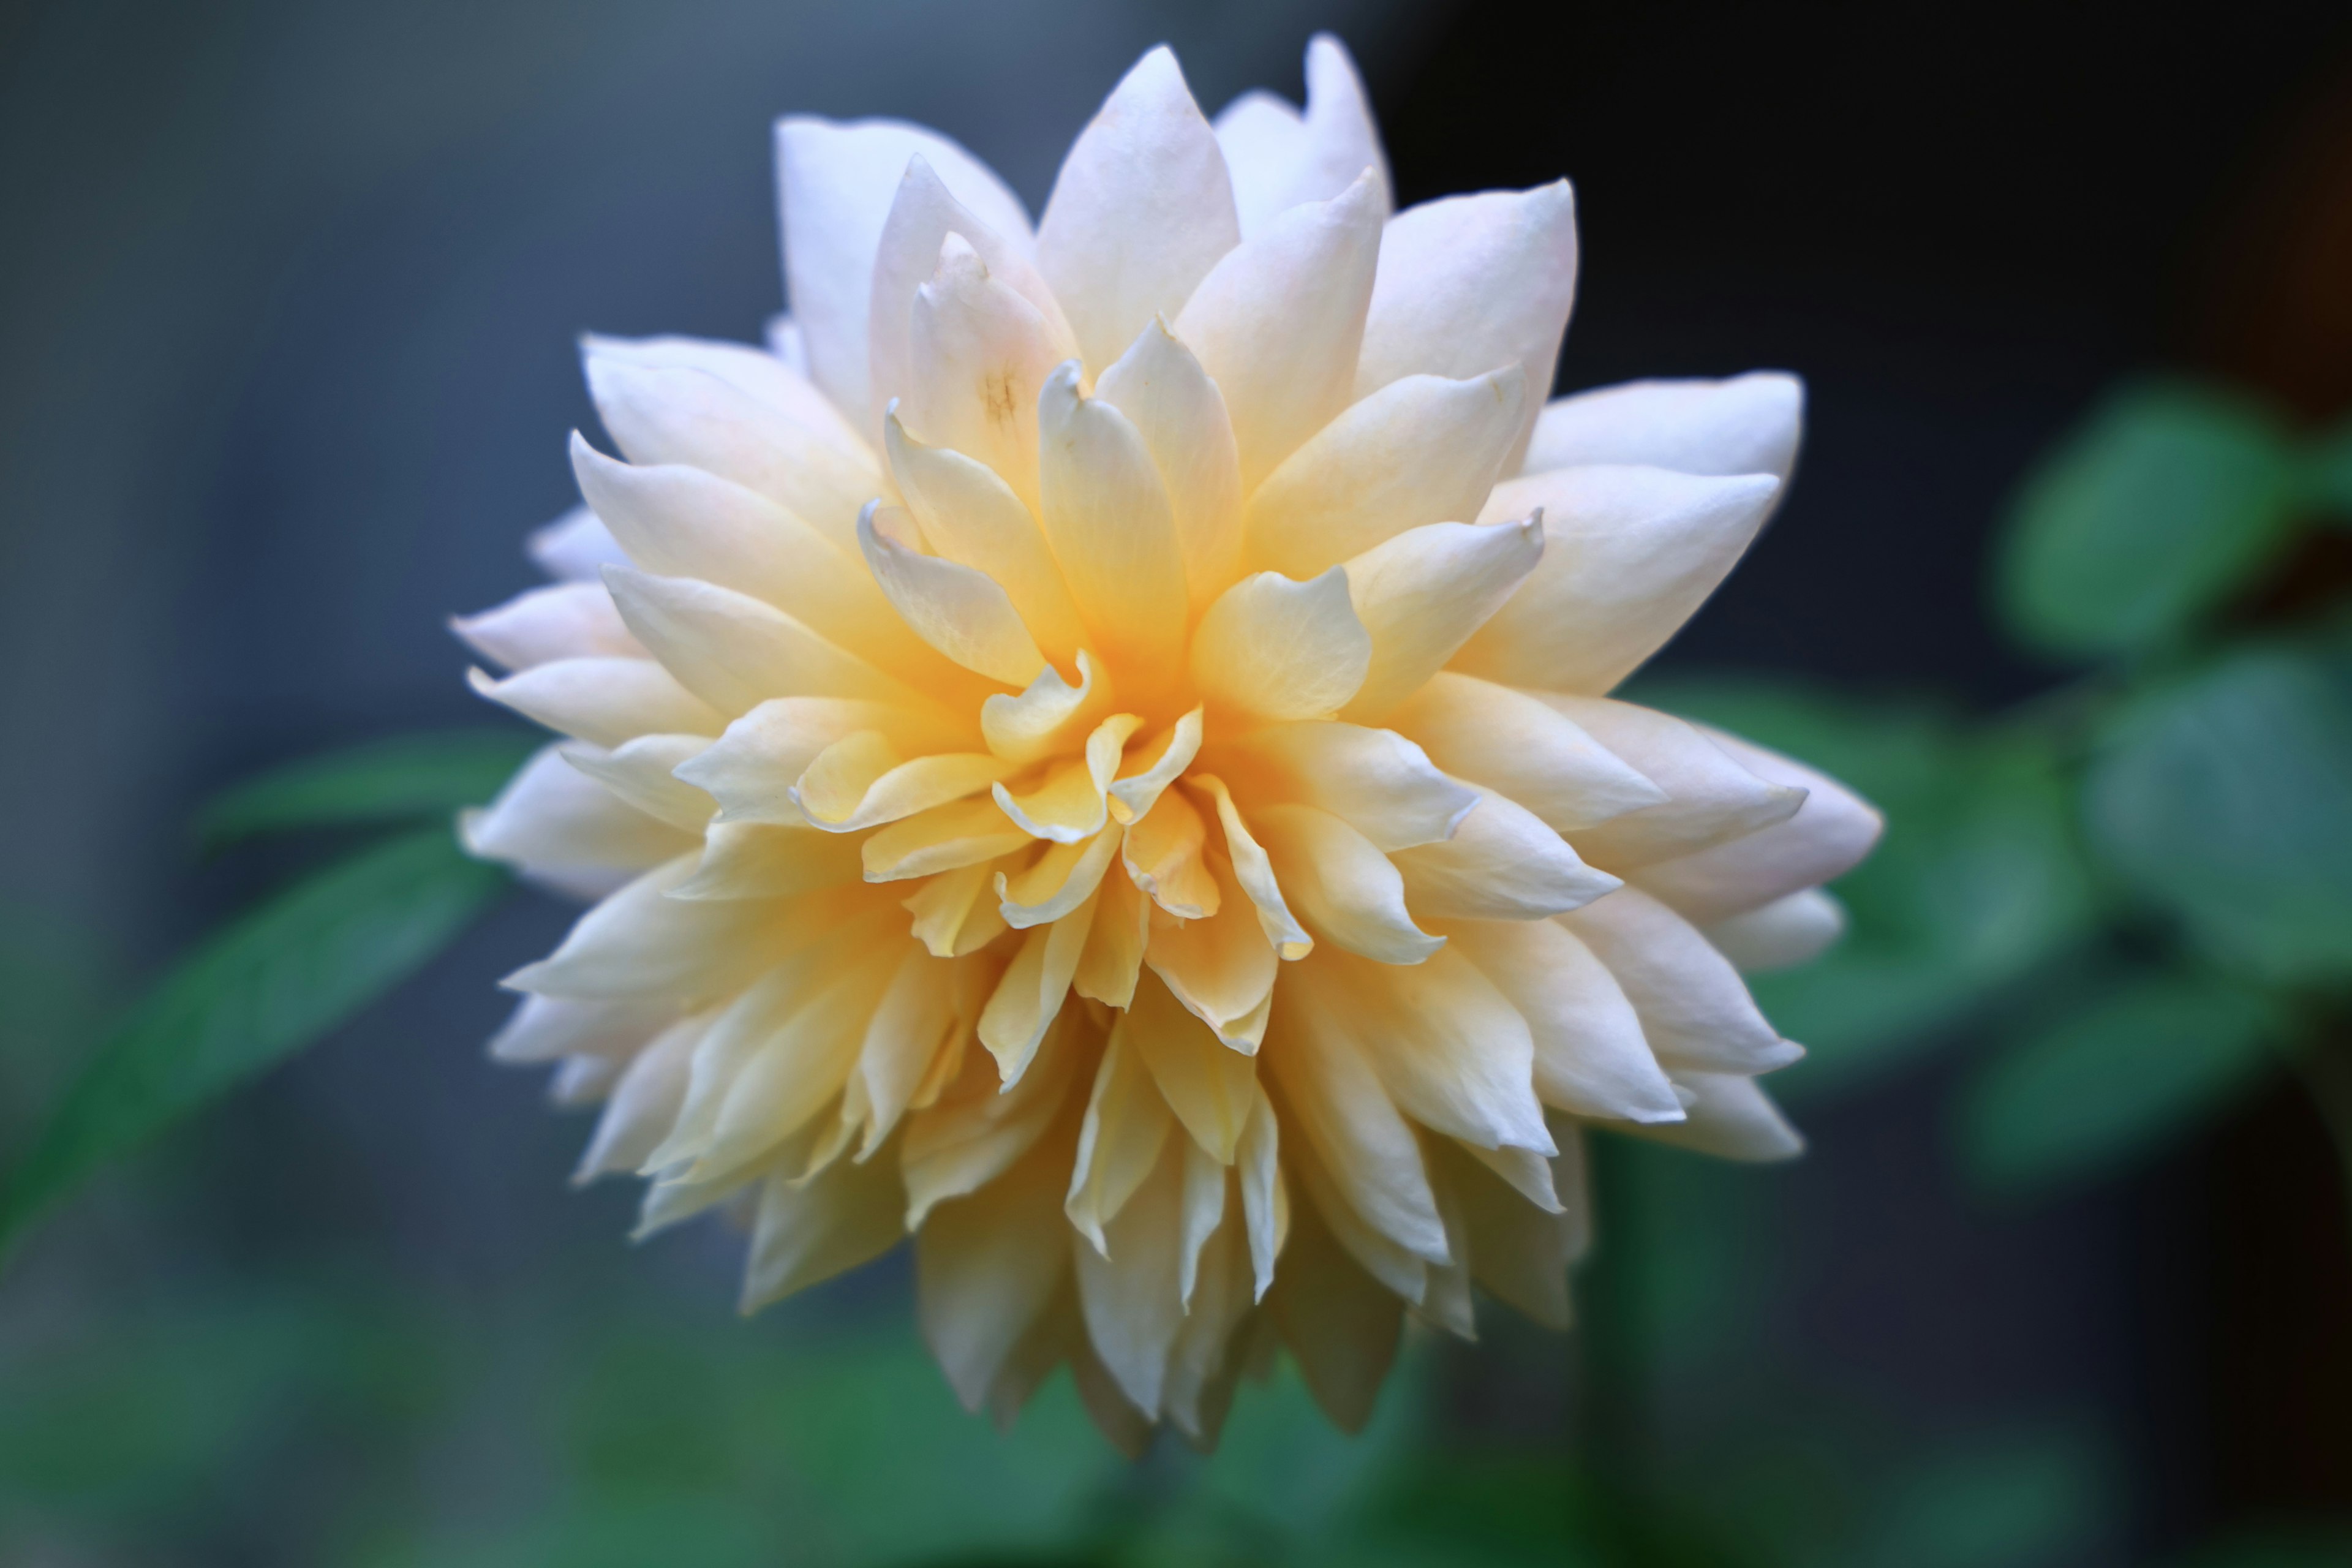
{"type": "Point", "coordinates": [1212, 1088]}
{"type": "Point", "coordinates": [1418, 451]}
{"type": "Point", "coordinates": [736, 652]}
{"type": "Point", "coordinates": [1781, 934]}
{"type": "Point", "coordinates": [569, 832]}
{"type": "Point", "coordinates": [1591, 1057]}
{"type": "Point", "coordinates": [1273, 648]}
{"type": "Point", "coordinates": [1746, 425]}
{"type": "Point", "coordinates": [1471, 282]}
{"type": "Point", "coordinates": [574, 548]}
{"type": "Point", "coordinates": [1629, 554]}
{"type": "Point", "coordinates": [1695, 1009]}
{"type": "Point", "coordinates": [980, 353]}
{"type": "Point", "coordinates": [765, 376]}
{"type": "Point", "coordinates": [1376, 781]}
{"type": "Point", "coordinates": [1341, 1112]}
{"type": "Point", "coordinates": [569, 620]}
{"type": "Point", "coordinates": [837, 183]}
{"type": "Point", "coordinates": [1278, 322]}
{"type": "Point", "coordinates": [1340, 1325]}
{"type": "Point", "coordinates": [1829, 835]}
{"type": "Point", "coordinates": [1181, 415]}
{"type": "Point", "coordinates": [1731, 1117]}
{"type": "Point", "coordinates": [1342, 885]}
{"type": "Point", "coordinates": [1133, 1301]}
{"type": "Point", "coordinates": [1280, 158]}
{"type": "Point", "coordinates": [1422, 594]}
{"type": "Point", "coordinates": [805, 1234]}
{"type": "Point", "coordinates": [1526, 749]}
{"type": "Point", "coordinates": [1500, 864]}
{"type": "Point", "coordinates": [604, 702]}
{"type": "Point", "coordinates": [1710, 798]}
{"type": "Point", "coordinates": [1107, 518]}
{"type": "Point", "coordinates": [986, 1266]}
{"type": "Point", "coordinates": [1141, 210]}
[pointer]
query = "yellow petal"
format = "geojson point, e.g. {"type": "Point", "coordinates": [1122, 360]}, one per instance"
{"type": "Point", "coordinates": [969, 515]}
{"type": "Point", "coordinates": [1422, 594]}
{"type": "Point", "coordinates": [1255, 872]}
{"type": "Point", "coordinates": [1108, 517]}
{"type": "Point", "coordinates": [1273, 649]}
{"type": "Point", "coordinates": [1181, 415]}
{"type": "Point", "coordinates": [859, 782]}
{"type": "Point", "coordinates": [1342, 885]}
{"type": "Point", "coordinates": [961, 833]}
{"type": "Point", "coordinates": [956, 609]}
{"type": "Point", "coordinates": [1210, 1087]}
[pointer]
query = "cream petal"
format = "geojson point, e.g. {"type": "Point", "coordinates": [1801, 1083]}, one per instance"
{"type": "Point", "coordinates": [1340, 1325]}
{"type": "Point", "coordinates": [1266, 1202]}
{"type": "Point", "coordinates": [967, 1140]}
{"type": "Point", "coordinates": [574, 548]}
{"type": "Point", "coordinates": [642, 944]}
{"type": "Point", "coordinates": [1273, 648]}
{"type": "Point", "coordinates": [807, 1234]}
{"type": "Point", "coordinates": [640, 773]}
{"type": "Point", "coordinates": [1424, 592]}
{"type": "Point", "coordinates": [1219, 965]}
{"type": "Point", "coordinates": [767, 377]}
{"type": "Point", "coordinates": [1629, 555]}
{"type": "Point", "coordinates": [680, 521]}
{"type": "Point", "coordinates": [1501, 864]}
{"type": "Point", "coordinates": [1029, 999]}
{"type": "Point", "coordinates": [1376, 781]}
{"type": "Point", "coordinates": [1343, 1113]}
{"type": "Point", "coordinates": [944, 839]}
{"type": "Point", "coordinates": [644, 1103]}
{"type": "Point", "coordinates": [1416, 451]}
{"type": "Point", "coordinates": [956, 911]}
{"type": "Point", "coordinates": [1710, 797]}
{"type": "Point", "coordinates": [1047, 716]}
{"type": "Point", "coordinates": [861, 781]}
{"type": "Point", "coordinates": [547, 1028]}
{"type": "Point", "coordinates": [1126, 1125]}
{"type": "Point", "coordinates": [982, 354]}
{"type": "Point", "coordinates": [750, 769]}
{"type": "Point", "coordinates": [757, 860]}
{"type": "Point", "coordinates": [1342, 885]}
{"type": "Point", "coordinates": [1781, 934]}
{"type": "Point", "coordinates": [1146, 771]}
{"type": "Point", "coordinates": [568, 832]}
{"type": "Point", "coordinates": [922, 215]}
{"type": "Point", "coordinates": [1279, 158]}
{"type": "Point", "coordinates": [1828, 837]}
{"type": "Point", "coordinates": [1141, 211]}
{"type": "Point", "coordinates": [1063, 878]}
{"type": "Point", "coordinates": [1695, 1009]}
{"type": "Point", "coordinates": [836, 184]}
{"type": "Point", "coordinates": [1071, 803]}
{"type": "Point", "coordinates": [915, 1022]}
{"type": "Point", "coordinates": [1525, 748]}
{"type": "Point", "coordinates": [676, 413]}
{"type": "Point", "coordinates": [1181, 415]}
{"type": "Point", "coordinates": [1255, 872]}
{"type": "Point", "coordinates": [1278, 321]}
{"type": "Point", "coordinates": [969, 515]}
{"type": "Point", "coordinates": [1211, 1088]}
{"type": "Point", "coordinates": [1113, 960]}
{"type": "Point", "coordinates": [1448, 1047]}
{"type": "Point", "coordinates": [1743, 425]}
{"type": "Point", "coordinates": [736, 652]}
{"type": "Point", "coordinates": [987, 1267]}
{"type": "Point", "coordinates": [1107, 518]}
{"type": "Point", "coordinates": [569, 620]}
{"type": "Point", "coordinates": [1163, 854]}
{"type": "Point", "coordinates": [604, 701]}
{"type": "Point", "coordinates": [1471, 282]}
{"type": "Point", "coordinates": [958, 611]}
{"type": "Point", "coordinates": [1131, 1296]}
{"type": "Point", "coordinates": [1517, 1251]}
{"type": "Point", "coordinates": [1591, 1055]}
{"type": "Point", "coordinates": [1730, 1117]}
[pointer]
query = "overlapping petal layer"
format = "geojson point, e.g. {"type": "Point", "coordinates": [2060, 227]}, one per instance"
{"type": "Point", "coordinates": [1093, 751]}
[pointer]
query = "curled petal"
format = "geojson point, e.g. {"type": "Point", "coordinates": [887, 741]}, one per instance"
{"type": "Point", "coordinates": [1501, 864]}
{"type": "Point", "coordinates": [958, 611]}
{"type": "Point", "coordinates": [1526, 749]}
{"type": "Point", "coordinates": [1376, 781]}
{"type": "Point", "coordinates": [1343, 886]}
{"type": "Point", "coordinates": [1273, 649]}
{"type": "Point", "coordinates": [1255, 872]}
{"type": "Point", "coordinates": [1695, 1009]}
{"type": "Point", "coordinates": [1280, 158]}
{"type": "Point", "coordinates": [969, 514]}
{"type": "Point", "coordinates": [750, 769]}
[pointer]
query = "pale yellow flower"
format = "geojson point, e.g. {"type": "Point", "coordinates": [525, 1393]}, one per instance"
{"type": "Point", "coordinates": [1092, 750]}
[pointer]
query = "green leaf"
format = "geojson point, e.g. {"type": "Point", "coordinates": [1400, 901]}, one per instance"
{"type": "Point", "coordinates": [407, 777]}
{"type": "Point", "coordinates": [2146, 520]}
{"type": "Point", "coordinates": [1978, 881]}
{"type": "Point", "coordinates": [2111, 1081]}
{"type": "Point", "coordinates": [274, 981]}
{"type": "Point", "coordinates": [2228, 801]}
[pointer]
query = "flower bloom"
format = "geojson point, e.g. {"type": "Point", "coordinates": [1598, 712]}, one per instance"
{"type": "Point", "coordinates": [1092, 750]}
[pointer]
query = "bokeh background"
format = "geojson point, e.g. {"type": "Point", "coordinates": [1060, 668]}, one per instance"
{"type": "Point", "coordinates": [289, 291]}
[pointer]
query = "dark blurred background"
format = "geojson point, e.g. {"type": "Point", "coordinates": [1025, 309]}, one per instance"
{"type": "Point", "coordinates": [288, 296]}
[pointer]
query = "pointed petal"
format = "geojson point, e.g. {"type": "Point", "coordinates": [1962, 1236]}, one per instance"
{"type": "Point", "coordinates": [755, 860]}
{"type": "Point", "coordinates": [1029, 999]}
{"type": "Point", "coordinates": [1183, 416]}
{"type": "Point", "coordinates": [1131, 1295]}
{"type": "Point", "coordinates": [1781, 934]}
{"type": "Point", "coordinates": [766, 377]}
{"type": "Point", "coordinates": [1710, 797]}
{"type": "Point", "coordinates": [1695, 1009]}
{"type": "Point", "coordinates": [1255, 874]}
{"type": "Point", "coordinates": [980, 353]}
{"type": "Point", "coordinates": [986, 1266]}
{"type": "Point", "coordinates": [1340, 1326]}
{"type": "Point", "coordinates": [804, 1234]}
{"type": "Point", "coordinates": [1424, 592]}
{"type": "Point", "coordinates": [1524, 748]}
{"type": "Point", "coordinates": [1629, 555]}
{"type": "Point", "coordinates": [1376, 781]}
{"type": "Point", "coordinates": [1107, 518]}
{"type": "Point", "coordinates": [1126, 1125]}
{"type": "Point", "coordinates": [1280, 158]}
{"type": "Point", "coordinates": [1828, 837]}
{"type": "Point", "coordinates": [574, 548]}
{"type": "Point", "coordinates": [1590, 1056]}
{"type": "Point", "coordinates": [1273, 648]}
{"type": "Point", "coordinates": [604, 701]}
{"type": "Point", "coordinates": [1345, 1116]}
{"type": "Point", "coordinates": [735, 652]}
{"type": "Point", "coordinates": [1141, 210]}
{"type": "Point", "coordinates": [1732, 1118]}
{"type": "Point", "coordinates": [751, 768]}
{"type": "Point", "coordinates": [1416, 451]}
{"type": "Point", "coordinates": [958, 611]}
{"type": "Point", "coordinates": [969, 515]}
{"type": "Point", "coordinates": [1744, 425]}
{"type": "Point", "coordinates": [1501, 864]}
{"type": "Point", "coordinates": [1341, 884]}
{"type": "Point", "coordinates": [569, 620]}
{"type": "Point", "coordinates": [1211, 1088]}
{"type": "Point", "coordinates": [565, 830]}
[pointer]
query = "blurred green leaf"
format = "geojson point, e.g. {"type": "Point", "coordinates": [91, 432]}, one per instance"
{"type": "Point", "coordinates": [2331, 474]}
{"type": "Point", "coordinates": [1977, 880]}
{"type": "Point", "coordinates": [2150, 515]}
{"type": "Point", "coordinates": [2228, 801]}
{"type": "Point", "coordinates": [2024, 1501]}
{"type": "Point", "coordinates": [2111, 1080]}
{"type": "Point", "coordinates": [274, 981]}
{"type": "Point", "coordinates": [407, 777]}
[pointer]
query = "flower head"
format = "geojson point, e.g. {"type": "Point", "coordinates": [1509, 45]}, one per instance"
{"type": "Point", "coordinates": [1092, 751]}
